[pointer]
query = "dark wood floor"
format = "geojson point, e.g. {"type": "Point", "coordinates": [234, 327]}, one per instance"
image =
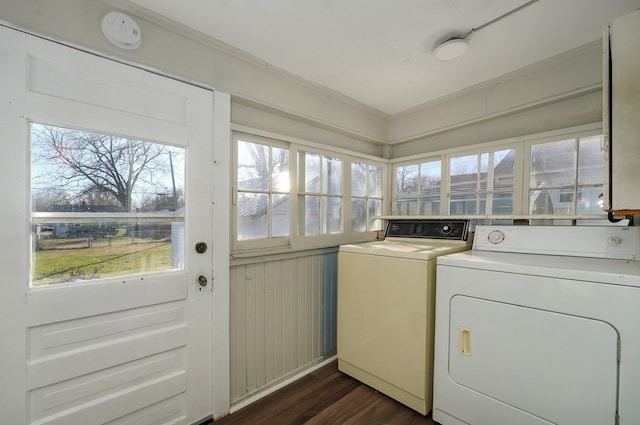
{"type": "Point", "coordinates": [326, 397]}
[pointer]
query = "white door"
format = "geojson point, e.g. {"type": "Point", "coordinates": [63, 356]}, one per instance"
{"type": "Point", "coordinates": [106, 308]}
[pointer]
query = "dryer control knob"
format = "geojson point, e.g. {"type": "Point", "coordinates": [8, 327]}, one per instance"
{"type": "Point", "coordinates": [614, 241]}
{"type": "Point", "coordinates": [495, 236]}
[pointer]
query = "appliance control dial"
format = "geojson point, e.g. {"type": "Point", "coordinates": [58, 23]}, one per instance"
{"type": "Point", "coordinates": [495, 236]}
{"type": "Point", "coordinates": [446, 228]}
{"type": "Point", "coordinates": [614, 240]}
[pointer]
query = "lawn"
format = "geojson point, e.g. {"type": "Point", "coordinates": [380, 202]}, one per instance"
{"type": "Point", "coordinates": [81, 259]}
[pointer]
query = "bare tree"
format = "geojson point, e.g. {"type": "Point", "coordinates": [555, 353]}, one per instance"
{"type": "Point", "coordinates": [96, 167]}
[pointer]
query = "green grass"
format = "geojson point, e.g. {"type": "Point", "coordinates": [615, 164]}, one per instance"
{"type": "Point", "coordinates": [74, 260]}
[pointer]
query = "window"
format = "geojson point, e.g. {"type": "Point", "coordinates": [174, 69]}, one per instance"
{"type": "Point", "coordinates": [566, 177]}
{"type": "Point", "coordinates": [263, 199]}
{"type": "Point", "coordinates": [418, 188]}
{"type": "Point", "coordinates": [561, 175]}
{"type": "Point", "coordinates": [103, 206]}
{"type": "Point", "coordinates": [319, 194]}
{"type": "Point", "coordinates": [482, 184]}
{"type": "Point", "coordinates": [293, 194]}
{"type": "Point", "coordinates": [366, 196]}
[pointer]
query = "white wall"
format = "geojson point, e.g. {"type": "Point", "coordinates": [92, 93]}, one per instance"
{"type": "Point", "coordinates": [191, 57]}
{"type": "Point", "coordinates": [562, 92]}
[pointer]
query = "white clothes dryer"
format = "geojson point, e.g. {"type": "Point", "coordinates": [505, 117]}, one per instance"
{"type": "Point", "coordinates": [539, 325]}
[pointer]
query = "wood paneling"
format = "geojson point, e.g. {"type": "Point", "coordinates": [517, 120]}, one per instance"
{"type": "Point", "coordinates": [282, 318]}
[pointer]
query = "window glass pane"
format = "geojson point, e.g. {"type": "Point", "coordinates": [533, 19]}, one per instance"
{"type": "Point", "coordinates": [358, 179]}
{"type": "Point", "coordinates": [589, 200]}
{"type": "Point", "coordinates": [311, 215]}
{"type": "Point", "coordinates": [551, 201]}
{"type": "Point", "coordinates": [504, 169]}
{"type": "Point", "coordinates": [502, 203]}
{"type": "Point", "coordinates": [591, 161]}
{"type": "Point", "coordinates": [332, 175]}
{"type": "Point", "coordinates": [430, 176]}
{"type": "Point", "coordinates": [333, 222]}
{"type": "Point", "coordinates": [375, 210]}
{"type": "Point", "coordinates": [407, 179]}
{"type": "Point", "coordinates": [358, 215]}
{"type": "Point", "coordinates": [464, 173]}
{"type": "Point", "coordinates": [484, 168]}
{"type": "Point", "coordinates": [407, 206]}
{"type": "Point", "coordinates": [463, 204]}
{"type": "Point", "coordinates": [253, 221]}
{"type": "Point", "coordinates": [375, 181]}
{"type": "Point", "coordinates": [280, 170]}
{"type": "Point", "coordinates": [430, 206]}
{"type": "Point", "coordinates": [76, 175]}
{"type": "Point", "coordinates": [311, 172]}
{"type": "Point", "coordinates": [280, 217]}
{"type": "Point", "coordinates": [72, 252]}
{"type": "Point", "coordinates": [553, 164]}
{"type": "Point", "coordinates": [253, 166]}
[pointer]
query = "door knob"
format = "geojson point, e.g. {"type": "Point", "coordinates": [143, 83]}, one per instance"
{"type": "Point", "coordinates": [202, 280]}
{"type": "Point", "coordinates": [201, 247]}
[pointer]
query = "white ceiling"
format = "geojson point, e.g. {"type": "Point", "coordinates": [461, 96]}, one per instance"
{"type": "Point", "coordinates": [380, 52]}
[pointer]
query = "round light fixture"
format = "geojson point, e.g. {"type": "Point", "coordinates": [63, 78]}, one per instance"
{"type": "Point", "coordinates": [450, 50]}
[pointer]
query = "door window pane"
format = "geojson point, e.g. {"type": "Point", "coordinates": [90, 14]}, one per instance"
{"type": "Point", "coordinates": [103, 205]}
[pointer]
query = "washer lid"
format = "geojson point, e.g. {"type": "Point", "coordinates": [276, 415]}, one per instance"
{"type": "Point", "coordinates": [418, 249]}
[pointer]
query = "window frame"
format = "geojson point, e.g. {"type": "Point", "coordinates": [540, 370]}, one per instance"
{"type": "Point", "coordinates": [269, 241]}
{"type": "Point", "coordinates": [522, 146]}
{"type": "Point", "coordinates": [296, 241]}
{"type": "Point", "coordinates": [367, 197]}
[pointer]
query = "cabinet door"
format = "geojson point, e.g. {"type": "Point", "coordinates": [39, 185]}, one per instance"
{"type": "Point", "coordinates": [557, 367]}
{"type": "Point", "coordinates": [621, 109]}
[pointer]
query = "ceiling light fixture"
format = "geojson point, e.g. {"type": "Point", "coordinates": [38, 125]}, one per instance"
{"type": "Point", "coordinates": [453, 48]}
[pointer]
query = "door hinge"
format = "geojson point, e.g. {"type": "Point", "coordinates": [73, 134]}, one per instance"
{"type": "Point", "coordinates": [617, 418]}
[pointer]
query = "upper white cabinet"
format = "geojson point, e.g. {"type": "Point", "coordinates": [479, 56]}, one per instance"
{"type": "Point", "coordinates": [622, 114]}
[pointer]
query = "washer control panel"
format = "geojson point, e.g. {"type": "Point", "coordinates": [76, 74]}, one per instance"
{"type": "Point", "coordinates": [457, 230]}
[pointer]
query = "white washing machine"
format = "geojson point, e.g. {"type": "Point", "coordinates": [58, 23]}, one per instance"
{"type": "Point", "coordinates": [386, 297]}
{"type": "Point", "coordinates": [539, 325]}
